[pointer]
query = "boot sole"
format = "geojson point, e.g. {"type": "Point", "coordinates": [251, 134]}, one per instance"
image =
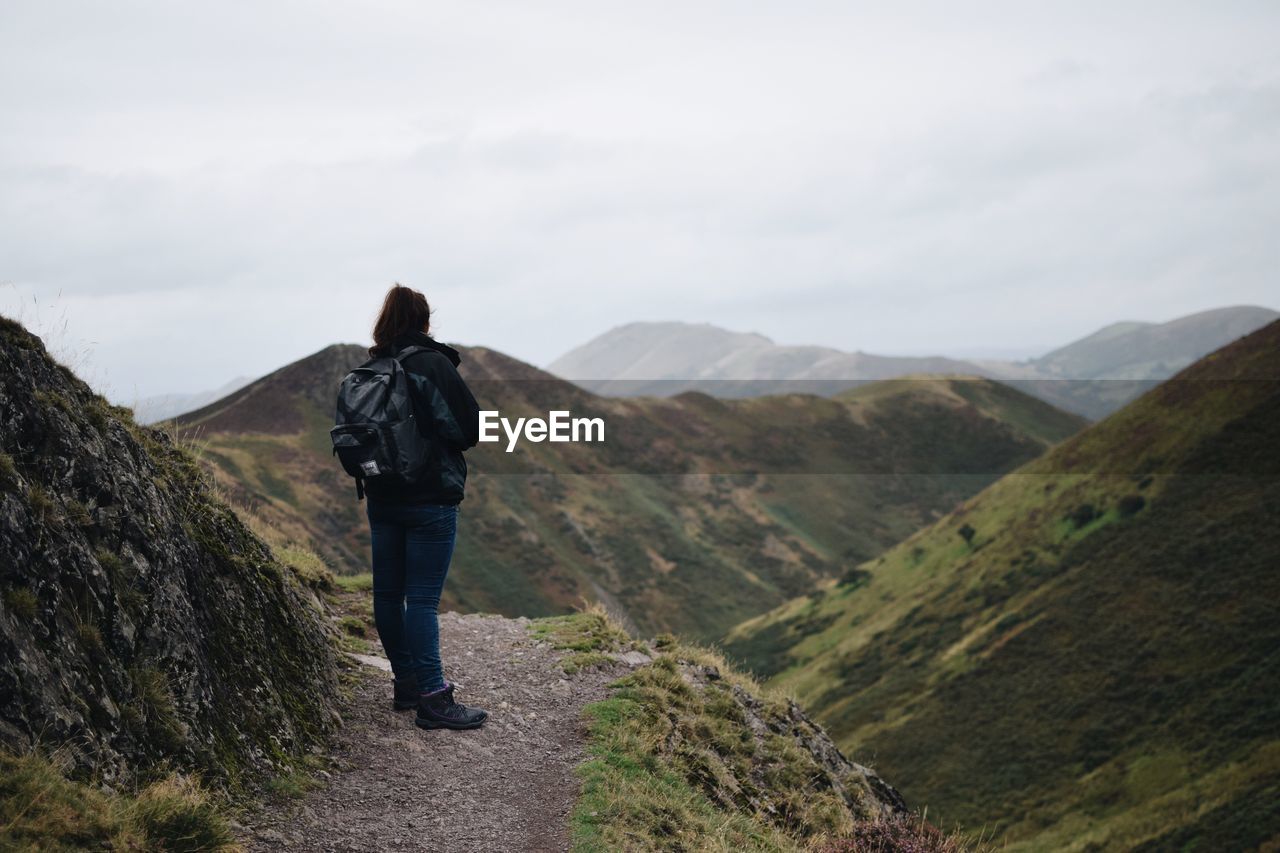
{"type": "Point", "coordinates": [431, 724]}
{"type": "Point", "coordinates": [405, 706]}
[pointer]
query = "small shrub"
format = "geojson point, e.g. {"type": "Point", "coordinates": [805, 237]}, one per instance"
{"type": "Point", "coordinates": [21, 602]}
{"type": "Point", "coordinates": [123, 578]}
{"type": "Point", "coordinates": [1082, 515]}
{"type": "Point", "coordinates": [588, 630]}
{"type": "Point", "coordinates": [578, 661]}
{"type": "Point", "coordinates": [1131, 505]}
{"type": "Point", "coordinates": [42, 504]}
{"type": "Point", "coordinates": [665, 640]}
{"type": "Point", "coordinates": [110, 562]}
{"type": "Point", "coordinates": [99, 415]}
{"type": "Point", "coordinates": [53, 400]}
{"type": "Point", "coordinates": [306, 566]}
{"type": "Point", "coordinates": [855, 578]}
{"type": "Point", "coordinates": [353, 625]}
{"type": "Point", "coordinates": [78, 513]}
{"type": "Point", "coordinates": [8, 472]}
{"type": "Point", "coordinates": [967, 533]}
{"type": "Point", "coordinates": [153, 700]}
{"type": "Point", "coordinates": [91, 641]}
{"type": "Point", "coordinates": [175, 814]}
{"type": "Point", "coordinates": [122, 413]}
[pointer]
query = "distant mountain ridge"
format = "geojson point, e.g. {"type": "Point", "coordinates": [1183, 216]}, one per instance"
{"type": "Point", "coordinates": [668, 358]}
{"type": "Point", "coordinates": [1151, 350]}
{"type": "Point", "coordinates": [1092, 376]}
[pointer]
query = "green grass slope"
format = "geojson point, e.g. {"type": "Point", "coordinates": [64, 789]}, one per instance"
{"type": "Point", "coordinates": [687, 753]}
{"type": "Point", "coordinates": [694, 514]}
{"type": "Point", "coordinates": [1086, 654]}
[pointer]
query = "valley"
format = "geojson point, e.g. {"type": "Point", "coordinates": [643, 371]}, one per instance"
{"type": "Point", "coordinates": [694, 514]}
{"type": "Point", "coordinates": [1083, 655]}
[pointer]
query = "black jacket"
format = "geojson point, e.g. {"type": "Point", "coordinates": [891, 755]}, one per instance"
{"type": "Point", "coordinates": [449, 417]}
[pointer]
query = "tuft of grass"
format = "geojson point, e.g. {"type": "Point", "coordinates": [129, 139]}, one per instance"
{"type": "Point", "coordinates": [40, 809]}
{"type": "Point", "coordinates": [42, 504]}
{"type": "Point", "coordinates": [110, 562]}
{"type": "Point", "coordinates": [295, 782]}
{"type": "Point", "coordinates": [54, 400]}
{"type": "Point", "coordinates": [306, 566]}
{"type": "Point", "coordinates": [99, 415]}
{"type": "Point", "coordinates": [354, 626]}
{"type": "Point", "coordinates": [578, 661]}
{"type": "Point", "coordinates": [8, 472]}
{"type": "Point", "coordinates": [21, 601]}
{"type": "Point", "coordinates": [355, 583]}
{"type": "Point", "coordinates": [123, 578]}
{"type": "Point", "coordinates": [178, 814]}
{"type": "Point", "coordinates": [91, 639]}
{"type": "Point", "coordinates": [588, 630]}
{"type": "Point", "coordinates": [154, 708]}
{"type": "Point", "coordinates": [78, 513]}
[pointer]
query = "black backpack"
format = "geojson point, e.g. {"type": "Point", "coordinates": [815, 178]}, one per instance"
{"type": "Point", "coordinates": [375, 433]}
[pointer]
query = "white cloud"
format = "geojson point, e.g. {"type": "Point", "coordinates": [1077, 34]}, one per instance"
{"type": "Point", "coordinates": [244, 179]}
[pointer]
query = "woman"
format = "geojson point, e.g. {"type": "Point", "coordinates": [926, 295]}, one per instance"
{"type": "Point", "coordinates": [413, 526]}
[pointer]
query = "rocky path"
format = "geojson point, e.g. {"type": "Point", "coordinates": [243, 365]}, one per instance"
{"type": "Point", "coordinates": [507, 786]}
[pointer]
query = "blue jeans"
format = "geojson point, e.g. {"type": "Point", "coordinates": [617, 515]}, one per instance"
{"type": "Point", "coordinates": [412, 546]}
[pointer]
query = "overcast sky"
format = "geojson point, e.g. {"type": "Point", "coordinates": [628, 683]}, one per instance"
{"type": "Point", "coordinates": [205, 190]}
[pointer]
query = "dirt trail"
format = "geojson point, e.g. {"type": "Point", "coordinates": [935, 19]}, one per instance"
{"type": "Point", "coordinates": [507, 786]}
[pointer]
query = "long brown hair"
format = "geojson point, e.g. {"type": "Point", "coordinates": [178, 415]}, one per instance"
{"type": "Point", "coordinates": [404, 310]}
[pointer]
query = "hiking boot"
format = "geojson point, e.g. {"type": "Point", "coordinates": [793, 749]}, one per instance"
{"type": "Point", "coordinates": [404, 693]}
{"type": "Point", "coordinates": [438, 710]}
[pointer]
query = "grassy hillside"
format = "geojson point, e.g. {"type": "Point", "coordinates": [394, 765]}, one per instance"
{"type": "Point", "coordinates": [689, 754]}
{"type": "Point", "coordinates": [1083, 656]}
{"type": "Point", "coordinates": [695, 513]}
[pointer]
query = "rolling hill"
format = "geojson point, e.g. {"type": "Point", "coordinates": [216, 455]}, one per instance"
{"type": "Point", "coordinates": [1083, 656]}
{"type": "Point", "coordinates": [1152, 350]}
{"type": "Point", "coordinates": [694, 514]}
{"type": "Point", "coordinates": [662, 359]}
{"type": "Point", "coordinates": [1093, 376]}
{"type": "Point", "coordinates": [1101, 372]}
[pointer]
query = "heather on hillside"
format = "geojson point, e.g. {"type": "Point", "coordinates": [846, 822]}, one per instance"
{"type": "Point", "coordinates": [1084, 651]}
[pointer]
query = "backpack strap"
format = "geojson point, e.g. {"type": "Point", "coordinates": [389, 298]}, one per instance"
{"type": "Point", "coordinates": [359, 489]}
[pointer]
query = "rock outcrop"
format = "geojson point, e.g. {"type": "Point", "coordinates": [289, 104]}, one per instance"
{"type": "Point", "coordinates": [141, 623]}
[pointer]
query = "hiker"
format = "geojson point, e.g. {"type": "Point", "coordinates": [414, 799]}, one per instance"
{"type": "Point", "coordinates": [413, 516]}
